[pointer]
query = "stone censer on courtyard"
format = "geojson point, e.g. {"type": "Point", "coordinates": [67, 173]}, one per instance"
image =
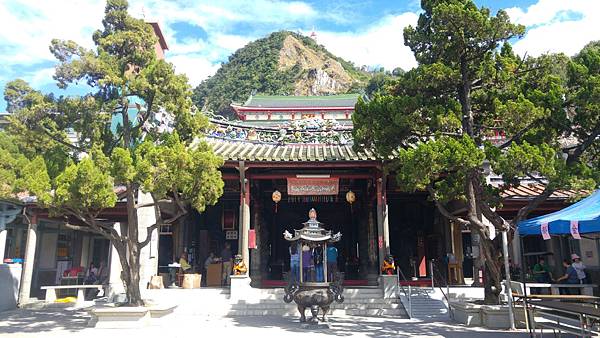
{"type": "Point", "coordinates": [311, 286]}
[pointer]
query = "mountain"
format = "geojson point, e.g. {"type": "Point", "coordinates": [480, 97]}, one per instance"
{"type": "Point", "coordinates": [283, 63]}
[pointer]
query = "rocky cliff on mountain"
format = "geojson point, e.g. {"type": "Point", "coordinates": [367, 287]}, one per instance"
{"type": "Point", "coordinates": [283, 63]}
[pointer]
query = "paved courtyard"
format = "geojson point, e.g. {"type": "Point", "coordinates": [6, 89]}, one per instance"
{"type": "Point", "coordinates": [73, 323]}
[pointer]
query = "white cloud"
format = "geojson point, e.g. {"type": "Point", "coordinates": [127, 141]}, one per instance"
{"type": "Point", "coordinates": [231, 42]}
{"type": "Point", "coordinates": [196, 67]}
{"type": "Point", "coordinates": [28, 26]}
{"type": "Point", "coordinates": [40, 77]}
{"type": "Point", "coordinates": [557, 26]}
{"type": "Point", "coordinates": [379, 45]}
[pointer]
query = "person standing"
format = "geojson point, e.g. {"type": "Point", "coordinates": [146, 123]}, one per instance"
{"type": "Point", "coordinates": [332, 266]}
{"type": "Point", "coordinates": [579, 267]}
{"type": "Point", "coordinates": [318, 260]}
{"type": "Point", "coordinates": [294, 262]}
{"type": "Point", "coordinates": [226, 257]}
{"type": "Point", "coordinates": [570, 276]}
{"type": "Point", "coordinates": [307, 264]}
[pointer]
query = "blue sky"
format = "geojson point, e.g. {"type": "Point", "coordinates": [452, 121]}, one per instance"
{"type": "Point", "coordinates": [203, 33]}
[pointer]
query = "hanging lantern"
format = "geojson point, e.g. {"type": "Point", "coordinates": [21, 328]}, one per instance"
{"type": "Point", "coordinates": [276, 198]}
{"type": "Point", "coordinates": [350, 198]}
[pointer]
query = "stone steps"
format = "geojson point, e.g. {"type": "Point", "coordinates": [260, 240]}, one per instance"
{"type": "Point", "coordinates": [344, 306]}
{"type": "Point", "coordinates": [215, 302]}
{"type": "Point", "coordinates": [426, 304]}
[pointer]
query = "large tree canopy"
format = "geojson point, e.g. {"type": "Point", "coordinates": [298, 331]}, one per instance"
{"type": "Point", "coordinates": [472, 102]}
{"type": "Point", "coordinates": [137, 129]}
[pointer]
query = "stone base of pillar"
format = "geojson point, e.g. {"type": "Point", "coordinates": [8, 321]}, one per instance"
{"type": "Point", "coordinates": [372, 279]}
{"type": "Point", "coordinates": [241, 289]}
{"type": "Point", "coordinates": [389, 285]}
{"type": "Point", "coordinates": [256, 280]}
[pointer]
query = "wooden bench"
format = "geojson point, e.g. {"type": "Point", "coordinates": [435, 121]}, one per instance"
{"type": "Point", "coordinates": [51, 291]}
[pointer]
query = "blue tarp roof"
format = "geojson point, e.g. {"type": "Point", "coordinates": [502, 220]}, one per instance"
{"type": "Point", "coordinates": [586, 212]}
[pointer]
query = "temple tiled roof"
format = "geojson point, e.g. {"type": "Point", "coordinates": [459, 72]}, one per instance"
{"type": "Point", "coordinates": [528, 191]}
{"type": "Point", "coordinates": [267, 101]}
{"type": "Point", "coordinates": [233, 150]}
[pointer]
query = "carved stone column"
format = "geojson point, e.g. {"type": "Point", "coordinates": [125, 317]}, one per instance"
{"type": "Point", "coordinates": [29, 261]}
{"type": "Point", "coordinates": [255, 254]}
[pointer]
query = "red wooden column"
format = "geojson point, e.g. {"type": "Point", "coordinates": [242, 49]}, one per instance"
{"type": "Point", "coordinates": [381, 248]}
{"type": "Point", "coordinates": [244, 214]}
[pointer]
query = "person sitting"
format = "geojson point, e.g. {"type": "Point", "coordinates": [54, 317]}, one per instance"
{"type": "Point", "coordinates": [184, 265]}
{"type": "Point", "coordinates": [91, 278]}
{"type": "Point", "coordinates": [211, 259]}
{"type": "Point", "coordinates": [570, 276]}
{"type": "Point", "coordinates": [541, 271]}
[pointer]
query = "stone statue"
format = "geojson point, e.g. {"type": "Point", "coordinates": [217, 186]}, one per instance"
{"type": "Point", "coordinates": [388, 267]}
{"type": "Point", "coordinates": [315, 299]}
{"type": "Point", "coordinates": [239, 268]}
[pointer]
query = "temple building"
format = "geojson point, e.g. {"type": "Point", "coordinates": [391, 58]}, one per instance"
{"type": "Point", "coordinates": [284, 156]}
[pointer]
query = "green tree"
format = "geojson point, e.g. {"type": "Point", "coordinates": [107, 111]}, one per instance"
{"type": "Point", "coordinates": [115, 140]}
{"type": "Point", "coordinates": [469, 88]}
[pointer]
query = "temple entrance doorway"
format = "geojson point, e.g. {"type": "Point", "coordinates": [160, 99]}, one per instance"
{"type": "Point", "coordinates": [414, 239]}
{"type": "Point", "coordinates": [333, 211]}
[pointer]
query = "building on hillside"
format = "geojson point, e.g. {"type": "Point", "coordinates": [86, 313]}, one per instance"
{"type": "Point", "coordinates": [273, 110]}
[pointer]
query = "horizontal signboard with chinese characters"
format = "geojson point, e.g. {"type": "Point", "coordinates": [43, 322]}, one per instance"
{"type": "Point", "coordinates": [312, 186]}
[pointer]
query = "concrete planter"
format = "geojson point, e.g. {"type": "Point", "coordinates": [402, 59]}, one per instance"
{"type": "Point", "coordinates": [468, 314]}
{"type": "Point", "coordinates": [496, 316]}
{"type": "Point", "coordinates": [128, 317]}
{"type": "Point", "coordinates": [490, 316]}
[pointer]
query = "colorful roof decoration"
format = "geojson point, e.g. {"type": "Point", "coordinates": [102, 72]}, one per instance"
{"type": "Point", "coordinates": [236, 150]}
{"type": "Point", "coordinates": [306, 131]}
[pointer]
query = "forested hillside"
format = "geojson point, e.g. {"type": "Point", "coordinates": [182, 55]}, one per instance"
{"type": "Point", "coordinates": [283, 63]}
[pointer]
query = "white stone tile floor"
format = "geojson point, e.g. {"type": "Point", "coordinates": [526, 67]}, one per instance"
{"type": "Point", "coordinates": [74, 323]}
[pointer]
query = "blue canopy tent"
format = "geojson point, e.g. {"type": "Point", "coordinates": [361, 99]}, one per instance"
{"type": "Point", "coordinates": [586, 212]}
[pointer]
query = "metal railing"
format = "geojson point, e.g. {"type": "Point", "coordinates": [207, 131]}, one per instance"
{"type": "Point", "coordinates": [407, 294]}
{"type": "Point", "coordinates": [441, 279]}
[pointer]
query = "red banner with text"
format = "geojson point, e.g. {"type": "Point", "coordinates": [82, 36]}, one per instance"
{"type": "Point", "coordinates": [312, 186]}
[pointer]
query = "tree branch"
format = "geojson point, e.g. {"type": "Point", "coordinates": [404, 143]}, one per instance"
{"type": "Point", "coordinates": [517, 136]}
{"type": "Point", "coordinates": [577, 152]}
{"type": "Point", "coordinates": [59, 140]}
{"type": "Point", "coordinates": [151, 204]}
{"type": "Point", "coordinates": [532, 205]}
{"type": "Point", "coordinates": [81, 228]}
{"type": "Point", "coordinates": [443, 209]}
